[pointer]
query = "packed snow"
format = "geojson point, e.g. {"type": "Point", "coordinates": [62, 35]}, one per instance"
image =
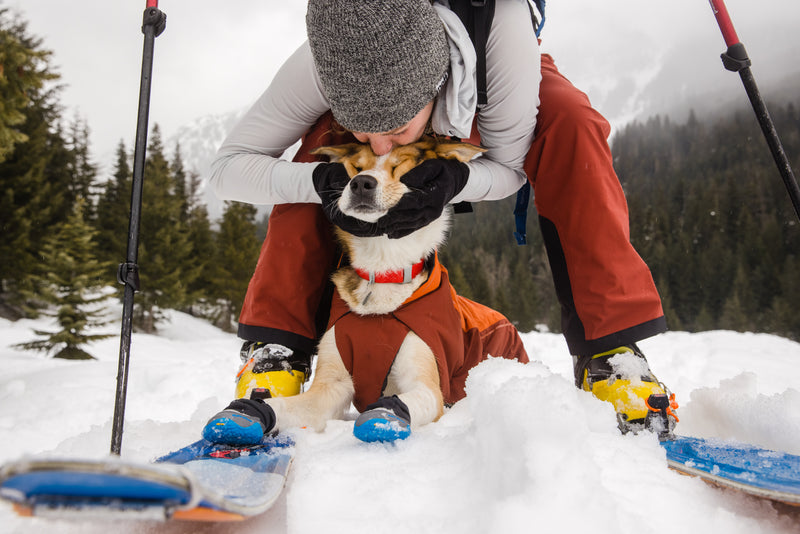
{"type": "Point", "coordinates": [524, 452]}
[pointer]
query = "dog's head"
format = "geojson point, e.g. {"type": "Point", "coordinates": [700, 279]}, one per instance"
{"type": "Point", "coordinates": [375, 185]}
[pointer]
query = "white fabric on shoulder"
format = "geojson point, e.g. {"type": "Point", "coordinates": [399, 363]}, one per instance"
{"type": "Point", "coordinates": [455, 106]}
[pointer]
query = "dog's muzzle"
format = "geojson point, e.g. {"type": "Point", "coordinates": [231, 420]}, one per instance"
{"type": "Point", "coordinates": [362, 190]}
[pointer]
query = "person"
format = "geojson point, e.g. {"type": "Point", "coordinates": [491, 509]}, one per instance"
{"type": "Point", "coordinates": [384, 72]}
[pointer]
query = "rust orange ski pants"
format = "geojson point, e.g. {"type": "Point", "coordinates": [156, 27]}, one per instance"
{"type": "Point", "coordinates": [606, 291]}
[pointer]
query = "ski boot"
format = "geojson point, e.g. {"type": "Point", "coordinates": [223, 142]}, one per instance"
{"type": "Point", "coordinates": [385, 420]}
{"type": "Point", "coordinates": [622, 377]}
{"type": "Point", "coordinates": [271, 366]}
{"type": "Point", "coordinates": [268, 370]}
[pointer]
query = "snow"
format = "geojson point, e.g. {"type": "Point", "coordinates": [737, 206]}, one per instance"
{"type": "Point", "coordinates": [524, 452]}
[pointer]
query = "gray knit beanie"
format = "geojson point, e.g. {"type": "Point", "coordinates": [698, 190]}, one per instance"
{"type": "Point", "coordinates": [380, 61]}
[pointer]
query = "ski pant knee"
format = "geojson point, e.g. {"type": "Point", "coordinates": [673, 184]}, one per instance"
{"type": "Point", "coordinates": [606, 291]}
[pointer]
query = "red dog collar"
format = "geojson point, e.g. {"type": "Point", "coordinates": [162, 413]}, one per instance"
{"type": "Point", "coordinates": [399, 276]}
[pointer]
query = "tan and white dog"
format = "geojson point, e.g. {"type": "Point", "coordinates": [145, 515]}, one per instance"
{"type": "Point", "coordinates": [375, 293]}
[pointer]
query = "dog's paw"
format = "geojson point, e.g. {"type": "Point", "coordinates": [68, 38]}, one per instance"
{"type": "Point", "coordinates": [233, 428]}
{"type": "Point", "coordinates": [243, 422]}
{"type": "Point", "coordinates": [381, 424]}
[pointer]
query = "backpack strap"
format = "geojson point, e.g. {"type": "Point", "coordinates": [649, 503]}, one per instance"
{"type": "Point", "coordinates": [521, 214]}
{"type": "Point", "coordinates": [483, 11]}
{"type": "Point", "coordinates": [477, 15]}
{"type": "Point", "coordinates": [538, 24]}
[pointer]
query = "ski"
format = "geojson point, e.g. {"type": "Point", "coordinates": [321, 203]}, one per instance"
{"type": "Point", "coordinates": [215, 483]}
{"type": "Point", "coordinates": [759, 472]}
{"type": "Point", "coordinates": [200, 482]}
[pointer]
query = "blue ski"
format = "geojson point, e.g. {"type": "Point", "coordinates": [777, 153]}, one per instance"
{"type": "Point", "coordinates": [200, 482]}
{"type": "Point", "coordinates": [760, 472]}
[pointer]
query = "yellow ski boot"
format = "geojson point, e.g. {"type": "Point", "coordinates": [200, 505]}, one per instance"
{"type": "Point", "coordinates": [268, 370]}
{"type": "Point", "coordinates": [271, 367]}
{"type": "Point", "coordinates": [622, 377]}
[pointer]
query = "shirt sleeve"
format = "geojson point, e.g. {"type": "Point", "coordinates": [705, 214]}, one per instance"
{"type": "Point", "coordinates": [248, 167]}
{"type": "Point", "coordinates": [506, 124]}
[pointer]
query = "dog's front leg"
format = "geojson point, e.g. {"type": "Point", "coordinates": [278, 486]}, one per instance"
{"type": "Point", "coordinates": [414, 378]}
{"type": "Point", "coordinates": [328, 397]}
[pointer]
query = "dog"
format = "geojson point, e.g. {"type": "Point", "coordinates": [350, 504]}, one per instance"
{"type": "Point", "coordinates": [400, 341]}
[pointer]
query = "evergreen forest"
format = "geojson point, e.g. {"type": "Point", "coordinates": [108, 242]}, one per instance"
{"type": "Point", "coordinates": [709, 214]}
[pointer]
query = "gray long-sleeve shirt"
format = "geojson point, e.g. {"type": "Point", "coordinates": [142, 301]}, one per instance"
{"type": "Point", "coordinates": [248, 167]}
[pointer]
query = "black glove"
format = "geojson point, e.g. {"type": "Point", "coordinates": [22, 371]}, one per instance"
{"type": "Point", "coordinates": [330, 179]}
{"type": "Point", "coordinates": [433, 185]}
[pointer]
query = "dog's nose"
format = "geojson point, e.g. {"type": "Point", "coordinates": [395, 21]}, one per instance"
{"type": "Point", "coordinates": [362, 184]}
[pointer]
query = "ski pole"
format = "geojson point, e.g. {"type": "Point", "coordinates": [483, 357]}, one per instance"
{"type": "Point", "coordinates": [735, 59]}
{"type": "Point", "coordinates": [154, 23]}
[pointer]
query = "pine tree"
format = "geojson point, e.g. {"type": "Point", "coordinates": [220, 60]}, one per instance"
{"type": "Point", "coordinates": [523, 295]}
{"type": "Point", "coordinates": [24, 70]}
{"type": "Point", "coordinates": [181, 187]}
{"type": "Point", "coordinates": [166, 265]}
{"type": "Point", "coordinates": [112, 215]}
{"type": "Point", "coordinates": [711, 220]}
{"type": "Point", "coordinates": [458, 280]}
{"type": "Point", "coordinates": [203, 245]}
{"type": "Point", "coordinates": [733, 316]}
{"type": "Point", "coordinates": [673, 319]}
{"type": "Point", "coordinates": [237, 252]}
{"type": "Point", "coordinates": [782, 315]}
{"type": "Point", "coordinates": [72, 285]}
{"type": "Point", "coordinates": [32, 177]}
{"type": "Point", "coordinates": [83, 173]}
{"type": "Point", "coordinates": [475, 275]}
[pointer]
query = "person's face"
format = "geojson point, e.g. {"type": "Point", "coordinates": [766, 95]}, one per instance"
{"type": "Point", "coordinates": [382, 143]}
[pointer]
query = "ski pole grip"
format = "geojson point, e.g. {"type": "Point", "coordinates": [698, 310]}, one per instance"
{"type": "Point", "coordinates": [724, 21]}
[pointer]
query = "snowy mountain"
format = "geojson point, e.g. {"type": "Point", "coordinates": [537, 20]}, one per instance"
{"type": "Point", "coordinates": [524, 452]}
{"type": "Point", "coordinates": [199, 142]}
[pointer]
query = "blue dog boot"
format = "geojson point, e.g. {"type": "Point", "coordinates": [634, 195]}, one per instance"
{"type": "Point", "coordinates": [243, 422]}
{"type": "Point", "coordinates": [384, 421]}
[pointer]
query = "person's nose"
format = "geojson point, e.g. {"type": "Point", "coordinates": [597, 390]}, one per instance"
{"type": "Point", "coordinates": [381, 145]}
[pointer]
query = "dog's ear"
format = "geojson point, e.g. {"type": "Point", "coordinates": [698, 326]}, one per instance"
{"type": "Point", "coordinates": [338, 152]}
{"type": "Point", "coordinates": [459, 151]}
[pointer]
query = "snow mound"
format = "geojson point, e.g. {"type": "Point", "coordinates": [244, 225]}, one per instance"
{"type": "Point", "coordinates": [525, 451]}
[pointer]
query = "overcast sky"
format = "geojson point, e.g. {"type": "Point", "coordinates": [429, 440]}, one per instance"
{"type": "Point", "coordinates": [218, 56]}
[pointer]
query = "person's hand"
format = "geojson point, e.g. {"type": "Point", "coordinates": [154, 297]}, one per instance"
{"type": "Point", "coordinates": [433, 184]}
{"type": "Point", "coordinates": [330, 179]}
